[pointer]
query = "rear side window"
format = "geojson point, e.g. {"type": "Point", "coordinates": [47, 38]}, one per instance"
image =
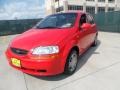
{"type": "Point", "coordinates": [90, 19]}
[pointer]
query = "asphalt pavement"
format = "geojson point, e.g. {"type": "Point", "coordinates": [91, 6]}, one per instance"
{"type": "Point", "coordinates": [98, 69]}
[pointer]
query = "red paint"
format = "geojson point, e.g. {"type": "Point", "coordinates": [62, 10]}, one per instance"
{"type": "Point", "coordinates": [65, 38]}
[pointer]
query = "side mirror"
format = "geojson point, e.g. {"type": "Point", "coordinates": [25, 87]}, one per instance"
{"type": "Point", "coordinates": [86, 26]}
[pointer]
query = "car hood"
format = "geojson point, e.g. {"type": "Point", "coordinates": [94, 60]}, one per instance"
{"type": "Point", "coordinates": [38, 37]}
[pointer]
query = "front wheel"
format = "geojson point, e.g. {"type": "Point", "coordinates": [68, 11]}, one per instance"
{"type": "Point", "coordinates": [71, 63]}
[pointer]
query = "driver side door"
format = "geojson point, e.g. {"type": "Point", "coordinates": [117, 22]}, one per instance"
{"type": "Point", "coordinates": [83, 34]}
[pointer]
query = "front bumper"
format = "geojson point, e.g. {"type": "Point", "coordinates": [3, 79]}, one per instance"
{"type": "Point", "coordinates": [36, 67]}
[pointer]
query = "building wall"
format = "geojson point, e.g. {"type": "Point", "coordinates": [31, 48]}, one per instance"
{"type": "Point", "coordinates": [95, 5]}
{"type": "Point", "coordinates": [49, 6]}
{"type": "Point", "coordinates": [118, 5]}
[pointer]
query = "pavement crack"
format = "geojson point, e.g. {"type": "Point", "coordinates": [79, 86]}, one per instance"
{"type": "Point", "coordinates": [86, 75]}
{"type": "Point", "coordinates": [25, 81]}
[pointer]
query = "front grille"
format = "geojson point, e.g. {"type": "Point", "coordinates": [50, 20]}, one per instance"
{"type": "Point", "coordinates": [19, 51]}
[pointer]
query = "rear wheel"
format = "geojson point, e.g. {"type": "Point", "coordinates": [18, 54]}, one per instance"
{"type": "Point", "coordinates": [95, 41]}
{"type": "Point", "coordinates": [71, 63]}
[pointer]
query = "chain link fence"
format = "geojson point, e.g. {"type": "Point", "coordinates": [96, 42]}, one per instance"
{"type": "Point", "coordinates": [109, 22]}
{"type": "Point", "coordinates": [8, 27]}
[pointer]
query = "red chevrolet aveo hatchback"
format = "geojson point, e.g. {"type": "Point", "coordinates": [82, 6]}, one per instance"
{"type": "Point", "coordinates": [53, 45]}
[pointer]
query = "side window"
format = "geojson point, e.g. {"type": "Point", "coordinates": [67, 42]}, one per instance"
{"type": "Point", "coordinates": [83, 19]}
{"type": "Point", "coordinates": [90, 19]}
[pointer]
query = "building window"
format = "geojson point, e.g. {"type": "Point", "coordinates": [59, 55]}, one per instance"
{"type": "Point", "coordinates": [101, 9]}
{"type": "Point", "coordinates": [90, 9]}
{"type": "Point", "coordinates": [59, 9]}
{"type": "Point", "coordinates": [56, 0]}
{"type": "Point", "coordinates": [111, 9]}
{"type": "Point", "coordinates": [90, 0]}
{"type": "Point", "coordinates": [75, 7]}
{"type": "Point", "coordinates": [101, 0]}
{"type": "Point", "coordinates": [111, 1]}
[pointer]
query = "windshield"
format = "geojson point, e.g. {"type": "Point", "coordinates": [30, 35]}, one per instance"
{"type": "Point", "coordinates": [63, 20]}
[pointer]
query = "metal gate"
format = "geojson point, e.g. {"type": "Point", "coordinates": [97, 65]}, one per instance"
{"type": "Point", "coordinates": [8, 27]}
{"type": "Point", "coordinates": [109, 21]}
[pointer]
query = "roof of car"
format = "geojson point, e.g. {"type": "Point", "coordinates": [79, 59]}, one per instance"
{"type": "Point", "coordinates": [76, 11]}
{"type": "Point", "coordinates": [79, 12]}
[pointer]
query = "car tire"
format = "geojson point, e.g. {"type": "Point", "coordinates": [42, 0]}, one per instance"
{"type": "Point", "coordinates": [95, 41]}
{"type": "Point", "coordinates": [71, 63]}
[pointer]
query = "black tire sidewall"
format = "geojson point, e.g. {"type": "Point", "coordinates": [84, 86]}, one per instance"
{"type": "Point", "coordinates": [66, 70]}
{"type": "Point", "coordinates": [95, 41]}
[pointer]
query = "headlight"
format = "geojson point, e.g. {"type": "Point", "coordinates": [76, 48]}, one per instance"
{"type": "Point", "coordinates": [45, 50]}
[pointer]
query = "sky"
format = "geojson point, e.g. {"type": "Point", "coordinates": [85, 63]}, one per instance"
{"type": "Point", "coordinates": [21, 9]}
